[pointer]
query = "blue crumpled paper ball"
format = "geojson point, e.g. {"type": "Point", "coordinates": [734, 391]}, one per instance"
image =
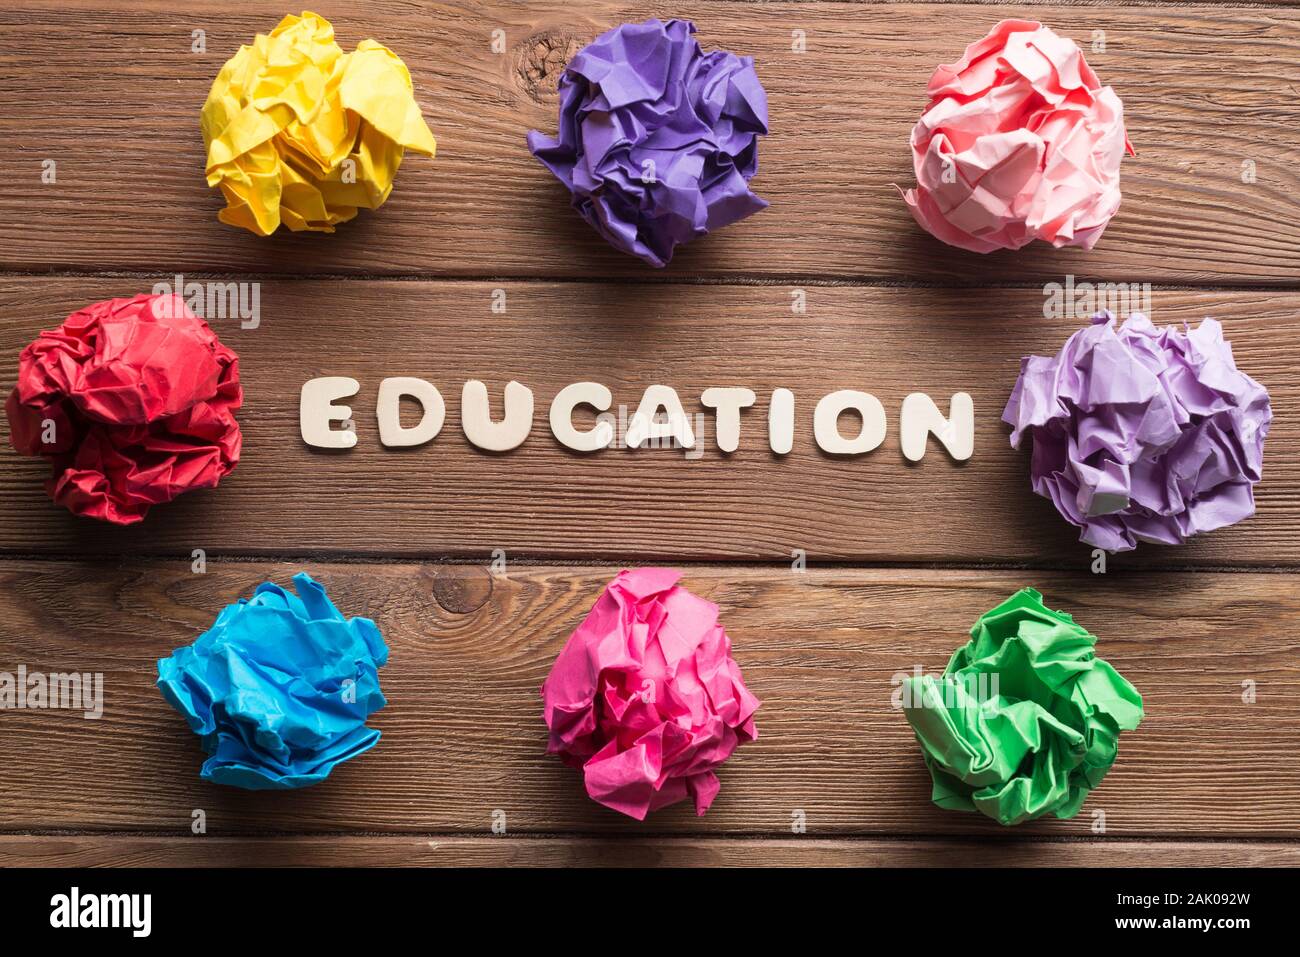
{"type": "Point", "coordinates": [657, 140]}
{"type": "Point", "coordinates": [279, 687]}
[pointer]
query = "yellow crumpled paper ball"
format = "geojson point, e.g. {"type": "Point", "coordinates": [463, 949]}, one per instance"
{"type": "Point", "coordinates": [300, 133]}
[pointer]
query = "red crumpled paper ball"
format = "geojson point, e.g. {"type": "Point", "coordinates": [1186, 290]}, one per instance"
{"type": "Point", "coordinates": [132, 401]}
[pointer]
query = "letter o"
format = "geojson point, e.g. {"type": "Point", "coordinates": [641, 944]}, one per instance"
{"type": "Point", "coordinates": [826, 428]}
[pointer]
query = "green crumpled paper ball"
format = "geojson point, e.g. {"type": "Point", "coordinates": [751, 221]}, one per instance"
{"type": "Point", "coordinates": [1025, 720]}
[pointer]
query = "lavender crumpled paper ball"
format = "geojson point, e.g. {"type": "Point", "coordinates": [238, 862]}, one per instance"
{"type": "Point", "coordinates": [657, 140]}
{"type": "Point", "coordinates": [1142, 433]}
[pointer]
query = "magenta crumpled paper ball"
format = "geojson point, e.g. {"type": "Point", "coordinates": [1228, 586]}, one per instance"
{"type": "Point", "coordinates": [1020, 142]}
{"type": "Point", "coordinates": [646, 699]}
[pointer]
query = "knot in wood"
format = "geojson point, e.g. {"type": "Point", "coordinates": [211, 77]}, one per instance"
{"type": "Point", "coordinates": [540, 61]}
{"type": "Point", "coordinates": [462, 590]}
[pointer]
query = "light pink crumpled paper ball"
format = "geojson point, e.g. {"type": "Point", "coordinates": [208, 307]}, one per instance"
{"type": "Point", "coordinates": [646, 699]}
{"type": "Point", "coordinates": [1020, 142]}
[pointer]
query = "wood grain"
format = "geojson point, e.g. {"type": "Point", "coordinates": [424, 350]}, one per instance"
{"type": "Point", "coordinates": [463, 736]}
{"type": "Point", "coordinates": [449, 499]}
{"type": "Point", "coordinates": [111, 91]}
{"type": "Point", "coordinates": [444, 851]}
{"type": "Point", "coordinates": [1207, 88]}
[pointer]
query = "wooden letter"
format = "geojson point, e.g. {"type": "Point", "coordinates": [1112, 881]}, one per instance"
{"type": "Point", "coordinates": [477, 422]}
{"type": "Point", "coordinates": [920, 417]}
{"type": "Point", "coordinates": [726, 421]}
{"type": "Point", "coordinates": [826, 422]}
{"type": "Point", "coordinates": [316, 410]}
{"type": "Point", "coordinates": [581, 393]}
{"type": "Point", "coordinates": [643, 425]}
{"type": "Point", "coordinates": [388, 409]}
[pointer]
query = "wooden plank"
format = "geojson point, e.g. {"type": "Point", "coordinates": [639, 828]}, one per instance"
{"type": "Point", "coordinates": [449, 499]}
{"type": "Point", "coordinates": [1207, 88]}
{"type": "Point", "coordinates": [463, 736]}
{"type": "Point", "coordinates": [442, 851]}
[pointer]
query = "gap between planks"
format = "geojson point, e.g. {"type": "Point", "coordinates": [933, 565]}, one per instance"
{"type": "Point", "coordinates": [593, 561]}
{"type": "Point", "coordinates": [573, 850]}
{"type": "Point", "coordinates": [756, 280]}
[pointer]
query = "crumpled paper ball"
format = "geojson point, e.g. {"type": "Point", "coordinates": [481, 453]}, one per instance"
{"type": "Point", "coordinates": [1025, 720]}
{"type": "Point", "coordinates": [657, 141]}
{"type": "Point", "coordinates": [300, 133]}
{"type": "Point", "coordinates": [646, 699]}
{"type": "Point", "coordinates": [1020, 142]}
{"type": "Point", "coordinates": [132, 401]}
{"type": "Point", "coordinates": [1140, 433]}
{"type": "Point", "coordinates": [279, 688]}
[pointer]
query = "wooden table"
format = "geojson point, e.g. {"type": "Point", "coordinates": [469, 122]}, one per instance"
{"type": "Point", "coordinates": [900, 558]}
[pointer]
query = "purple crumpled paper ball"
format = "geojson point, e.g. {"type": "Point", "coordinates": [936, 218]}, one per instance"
{"type": "Point", "coordinates": [1140, 433]}
{"type": "Point", "coordinates": [658, 140]}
